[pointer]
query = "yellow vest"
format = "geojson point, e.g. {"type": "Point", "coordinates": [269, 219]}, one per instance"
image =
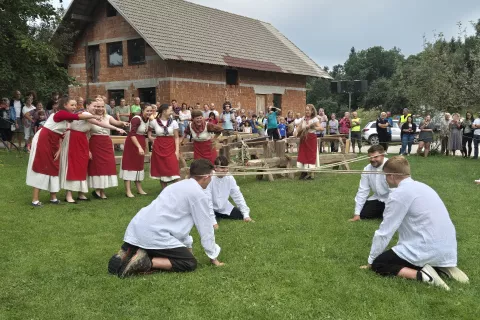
{"type": "Point", "coordinates": [357, 127]}
{"type": "Point", "coordinates": [403, 118]}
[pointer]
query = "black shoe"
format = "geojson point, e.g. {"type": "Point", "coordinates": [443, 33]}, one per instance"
{"type": "Point", "coordinates": [303, 175]}
{"type": "Point", "coordinates": [139, 263]}
{"type": "Point", "coordinates": [80, 199]}
{"type": "Point", "coordinates": [119, 261]}
{"type": "Point", "coordinates": [95, 195]}
{"type": "Point", "coordinates": [309, 177]}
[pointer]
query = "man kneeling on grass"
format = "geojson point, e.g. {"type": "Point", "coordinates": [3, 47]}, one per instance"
{"type": "Point", "coordinates": [427, 241]}
{"type": "Point", "coordinates": [220, 189]}
{"type": "Point", "coordinates": [158, 237]}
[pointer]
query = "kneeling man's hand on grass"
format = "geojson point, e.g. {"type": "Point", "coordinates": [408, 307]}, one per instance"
{"type": "Point", "coordinates": [368, 266]}
{"type": "Point", "coordinates": [248, 219]}
{"type": "Point", "coordinates": [217, 263]}
{"type": "Point", "coordinates": [355, 218]}
{"type": "Point", "coordinates": [215, 226]}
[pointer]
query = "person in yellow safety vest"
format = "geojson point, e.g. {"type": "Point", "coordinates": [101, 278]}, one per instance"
{"type": "Point", "coordinates": [356, 132]}
{"type": "Point", "coordinates": [403, 118]}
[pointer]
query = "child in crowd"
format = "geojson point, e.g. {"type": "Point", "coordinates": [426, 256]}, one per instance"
{"type": "Point", "coordinates": [255, 124]}
{"type": "Point", "coordinates": [220, 189]}
{"type": "Point", "coordinates": [242, 123]}
{"type": "Point", "coordinates": [282, 128]}
{"type": "Point", "coordinates": [247, 128]}
{"type": "Point", "coordinates": [40, 121]}
{"type": "Point", "coordinates": [212, 118]}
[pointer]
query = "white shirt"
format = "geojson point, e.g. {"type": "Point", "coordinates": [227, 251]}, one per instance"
{"type": "Point", "coordinates": [425, 232]}
{"type": "Point", "coordinates": [101, 131]}
{"type": "Point", "coordinates": [477, 131]}
{"type": "Point", "coordinates": [185, 115]}
{"type": "Point", "coordinates": [26, 109]}
{"type": "Point", "coordinates": [377, 183]}
{"type": "Point", "coordinates": [219, 190]}
{"type": "Point", "coordinates": [166, 223]}
{"type": "Point", "coordinates": [160, 132]}
{"type": "Point", "coordinates": [17, 104]}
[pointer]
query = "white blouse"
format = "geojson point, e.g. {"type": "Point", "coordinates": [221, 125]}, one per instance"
{"type": "Point", "coordinates": [100, 131]}
{"type": "Point", "coordinates": [377, 183]}
{"type": "Point", "coordinates": [57, 127]}
{"type": "Point", "coordinates": [160, 132]}
{"type": "Point", "coordinates": [81, 125]}
{"type": "Point", "coordinates": [203, 136]}
{"type": "Point", "coordinates": [185, 115]}
{"type": "Point", "coordinates": [425, 232]}
{"type": "Point", "coordinates": [167, 221]}
{"type": "Point", "coordinates": [306, 123]}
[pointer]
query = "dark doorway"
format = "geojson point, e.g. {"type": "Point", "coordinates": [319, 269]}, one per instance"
{"type": "Point", "coordinates": [116, 95]}
{"type": "Point", "coordinates": [93, 63]}
{"type": "Point", "coordinates": [147, 95]}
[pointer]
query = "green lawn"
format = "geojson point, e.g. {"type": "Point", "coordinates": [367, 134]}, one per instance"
{"type": "Point", "coordinates": [300, 260]}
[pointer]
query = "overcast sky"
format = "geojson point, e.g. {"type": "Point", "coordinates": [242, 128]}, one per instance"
{"type": "Point", "coordinates": [327, 29]}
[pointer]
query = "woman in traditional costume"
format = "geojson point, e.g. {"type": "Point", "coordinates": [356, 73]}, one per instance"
{"type": "Point", "coordinates": [166, 147]}
{"type": "Point", "coordinates": [74, 160]}
{"type": "Point", "coordinates": [43, 164]}
{"type": "Point", "coordinates": [102, 168]}
{"type": "Point", "coordinates": [132, 166]}
{"type": "Point", "coordinates": [308, 147]}
{"type": "Point", "coordinates": [201, 133]}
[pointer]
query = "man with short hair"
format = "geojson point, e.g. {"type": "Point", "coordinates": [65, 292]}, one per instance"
{"type": "Point", "coordinates": [445, 133]}
{"type": "Point", "coordinates": [373, 207]}
{"type": "Point", "coordinates": [135, 107]}
{"type": "Point", "coordinates": [356, 132]}
{"type": "Point", "coordinates": [476, 135]}
{"type": "Point", "coordinates": [212, 109]}
{"type": "Point", "coordinates": [427, 241]}
{"type": "Point", "coordinates": [206, 111]}
{"type": "Point", "coordinates": [158, 237]}
{"type": "Point", "coordinates": [404, 117]}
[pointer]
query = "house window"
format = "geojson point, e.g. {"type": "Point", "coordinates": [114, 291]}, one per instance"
{"type": "Point", "coordinates": [115, 54]}
{"type": "Point", "coordinates": [147, 95]}
{"type": "Point", "coordinates": [93, 63]}
{"type": "Point", "coordinates": [116, 95]}
{"type": "Point", "coordinates": [277, 100]}
{"type": "Point", "coordinates": [136, 51]}
{"type": "Point", "coordinates": [111, 11]}
{"type": "Point", "coordinates": [232, 77]}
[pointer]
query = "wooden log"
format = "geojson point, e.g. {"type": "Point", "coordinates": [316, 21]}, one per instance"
{"type": "Point", "coordinates": [346, 150]}
{"type": "Point", "coordinates": [280, 148]}
{"type": "Point", "coordinates": [268, 149]}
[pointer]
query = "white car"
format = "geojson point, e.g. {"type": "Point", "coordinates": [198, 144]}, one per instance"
{"type": "Point", "coordinates": [369, 133]}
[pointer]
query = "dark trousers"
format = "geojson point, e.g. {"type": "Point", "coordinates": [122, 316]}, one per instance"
{"type": "Point", "coordinates": [476, 140]}
{"type": "Point", "coordinates": [357, 138]}
{"type": "Point", "coordinates": [467, 144]}
{"type": "Point", "coordinates": [236, 214]}
{"type": "Point", "coordinates": [273, 134]}
{"type": "Point", "coordinates": [181, 258]}
{"type": "Point", "coordinates": [444, 149]}
{"type": "Point", "coordinates": [372, 209]}
{"type": "Point", "coordinates": [389, 264]}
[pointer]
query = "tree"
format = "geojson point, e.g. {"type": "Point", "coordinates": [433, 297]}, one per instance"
{"type": "Point", "coordinates": [29, 60]}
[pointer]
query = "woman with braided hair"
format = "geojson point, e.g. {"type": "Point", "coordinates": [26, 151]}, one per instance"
{"type": "Point", "coordinates": [201, 133]}
{"type": "Point", "coordinates": [308, 147]}
{"type": "Point", "coordinates": [166, 147]}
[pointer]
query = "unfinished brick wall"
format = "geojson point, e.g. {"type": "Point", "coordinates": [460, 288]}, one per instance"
{"type": "Point", "coordinates": [184, 81]}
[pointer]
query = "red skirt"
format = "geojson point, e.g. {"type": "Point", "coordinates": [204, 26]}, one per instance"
{"type": "Point", "coordinates": [47, 145]}
{"type": "Point", "coordinates": [131, 160]}
{"type": "Point", "coordinates": [204, 150]}
{"type": "Point", "coordinates": [103, 157]}
{"type": "Point", "coordinates": [307, 150]}
{"type": "Point", "coordinates": [77, 156]}
{"type": "Point", "coordinates": [164, 162]}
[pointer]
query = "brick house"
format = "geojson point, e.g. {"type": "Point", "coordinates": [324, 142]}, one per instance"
{"type": "Point", "coordinates": [174, 49]}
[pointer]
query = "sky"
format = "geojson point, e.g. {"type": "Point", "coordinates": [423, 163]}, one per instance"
{"type": "Point", "coordinates": [326, 30]}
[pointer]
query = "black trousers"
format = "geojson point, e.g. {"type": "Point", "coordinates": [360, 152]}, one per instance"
{"type": "Point", "coordinates": [273, 134]}
{"type": "Point", "coordinates": [372, 209]}
{"type": "Point", "coordinates": [181, 258]}
{"type": "Point", "coordinates": [388, 264]}
{"type": "Point", "coordinates": [467, 141]}
{"type": "Point", "coordinates": [235, 214]}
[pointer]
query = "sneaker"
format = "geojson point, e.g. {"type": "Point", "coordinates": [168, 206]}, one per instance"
{"type": "Point", "coordinates": [37, 205]}
{"type": "Point", "coordinates": [139, 263]}
{"type": "Point", "coordinates": [430, 276]}
{"type": "Point", "coordinates": [453, 273]}
{"type": "Point", "coordinates": [119, 260]}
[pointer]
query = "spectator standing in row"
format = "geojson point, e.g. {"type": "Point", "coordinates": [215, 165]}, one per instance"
{"type": "Point", "coordinates": [54, 97]}
{"type": "Point", "coordinates": [185, 116]}
{"type": "Point", "coordinates": [409, 130]}
{"type": "Point", "coordinates": [382, 130]}
{"type": "Point", "coordinates": [476, 135]}
{"type": "Point", "coordinates": [425, 137]}
{"type": "Point", "coordinates": [445, 133]}
{"type": "Point", "coordinates": [212, 109]}
{"type": "Point", "coordinates": [333, 129]}
{"type": "Point", "coordinates": [135, 107]}
{"type": "Point", "coordinates": [322, 117]}
{"type": "Point", "coordinates": [282, 128]}
{"type": "Point", "coordinates": [357, 132]}
{"type": "Point", "coordinates": [108, 108]}
{"type": "Point", "coordinates": [467, 135]}
{"type": "Point", "coordinates": [272, 123]}
{"type": "Point", "coordinates": [5, 122]}
{"type": "Point", "coordinates": [27, 121]}
{"type": "Point", "coordinates": [206, 111]}
{"type": "Point", "coordinates": [390, 122]}
{"type": "Point", "coordinates": [212, 119]}
{"type": "Point", "coordinates": [16, 105]}
{"type": "Point", "coordinates": [455, 138]}
{"type": "Point", "coordinates": [404, 116]}
{"type": "Point", "coordinates": [228, 119]}
{"type": "Point", "coordinates": [254, 124]}
{"type": "Point", "coordinates": [261, 123]}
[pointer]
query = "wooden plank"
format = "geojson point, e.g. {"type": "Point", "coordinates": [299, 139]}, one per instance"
{"type": "Point", "coordinates": [280, 148]}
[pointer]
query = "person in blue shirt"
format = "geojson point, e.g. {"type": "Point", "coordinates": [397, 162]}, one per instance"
{"type": "Point", "coordinates": [282, 129]}
{"type": "Point", "coordinates": [272, 123]}
{"type": "Point", "coordinates": [227, 119]}
{"type": "Point", "coordinates": [254, 124]}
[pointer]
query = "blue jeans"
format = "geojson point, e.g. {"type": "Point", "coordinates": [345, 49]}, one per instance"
{"type": "Point", "coordinates": [407, 140]}
{"type": "Point", "coordinates": [476, 140]}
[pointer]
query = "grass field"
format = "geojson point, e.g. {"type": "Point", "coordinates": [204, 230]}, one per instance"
{"type": "Point", "coordinates": [300, 260]}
